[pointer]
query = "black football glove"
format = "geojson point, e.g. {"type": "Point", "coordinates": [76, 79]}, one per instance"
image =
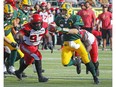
{"type": "Point", "coordinates": [13, 44]}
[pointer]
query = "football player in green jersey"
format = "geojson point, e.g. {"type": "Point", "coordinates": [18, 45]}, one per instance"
{"type": "Point", "coordinates": [23, 13]}
{"type": "Point", "coordinates": [69, 24]}
{"type": "Point", "coordinates": [20, 19]}
{"type": "Point", "coordinates": [9, 39]}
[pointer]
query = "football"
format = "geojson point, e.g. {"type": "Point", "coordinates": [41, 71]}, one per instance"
{"type": "Point", "coordinates": [52, 27]}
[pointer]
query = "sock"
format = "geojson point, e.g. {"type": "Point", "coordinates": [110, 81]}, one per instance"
{"type": "Point", "coordinates": [91, 68]}
{"type": "Point", "coordinates": [96, 65]}
{"type": "Point", "coordinates": [18, 57]}
{"type": "Point", "coordinates": [23, 66]}
{"type": "Point", "coordinates": [72, 62]}
{"type": "Point", "coordinates": [6, 56]}
{"type": "Point", "coordinates": [12, 57]}
{"type": "Point", "coordinates": [38, 66]}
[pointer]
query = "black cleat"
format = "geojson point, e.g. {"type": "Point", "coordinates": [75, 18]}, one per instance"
{"type": "Point", "coordinates": [78, 65]}
{"type": "Point", "coordinates": [96, 81]}
{"type": "Point", "coordinates": [18, 75]}
{"type": "Point", "coordinates": [24, 75]}
{"type": "Point", "coordinates": [43, 71]}
{"type": "Point", "coordinates": [5, 72]}
{"type": "Point", "coordinates": [43, 79]}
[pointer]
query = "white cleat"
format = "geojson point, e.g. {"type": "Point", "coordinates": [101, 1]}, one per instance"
{"type": "Point", "coordinates": [5, 71]}
{"type": "Point", "coordinates": [11, 69]}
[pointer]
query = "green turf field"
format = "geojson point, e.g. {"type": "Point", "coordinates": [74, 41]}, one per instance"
{"type": "Point", "coordinates": [60, 76]}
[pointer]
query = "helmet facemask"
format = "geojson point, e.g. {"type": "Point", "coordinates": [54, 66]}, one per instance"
{"type": "Point", "coordinates": [36, 25]}
{"type": "Point", "coordinates": [36, 22]}
{"type": "Point", "coordinates": [66, 10]}
{"type": "Point", "coordinates": [8, 16]}
{"type": "Point", "coordinates": [43, 6]}
{"type": "Point", "coordinates": [26, 8]}
{"type": "Point", "coordinates": [25, 5]}
{"type": "Point", "coordinates": [8, 11]}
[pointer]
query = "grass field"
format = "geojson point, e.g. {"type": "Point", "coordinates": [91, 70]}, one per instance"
{"type": "Point", "coordinates": [60, 76]}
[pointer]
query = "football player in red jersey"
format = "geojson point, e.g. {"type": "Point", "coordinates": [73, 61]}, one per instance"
{"type": "Point", "coordinates": [91, 45]}
{"type": "Point", "coordinates": [30, 36]}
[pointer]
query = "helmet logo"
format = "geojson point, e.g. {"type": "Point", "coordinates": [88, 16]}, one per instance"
{"type": "Point", "coordinates": [67, 6]}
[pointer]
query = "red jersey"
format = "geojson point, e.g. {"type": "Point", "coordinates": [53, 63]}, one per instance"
{"type": "Point", "coordinates": [106, 18]}
{"type": "Point", "coordinates": [87, 16]}
{"type": "Point", "coordinates": [93, 42]}
{"type": "Point", "coordinates": [31, 36]}
{"type": "Point", "coordinates": [90, 36]}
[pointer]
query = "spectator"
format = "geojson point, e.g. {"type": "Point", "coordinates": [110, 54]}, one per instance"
{"type": "Point", "coordinates": [88, 17]}
{"type": "Point", "coordinates": [105, 17]}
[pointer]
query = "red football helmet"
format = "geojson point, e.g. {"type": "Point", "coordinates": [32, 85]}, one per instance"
{"type": "Point", "coordinates": [36, 21]}
{"type": "Point", "coordinates": [36, 18]}
{"type": "Point", "coordinates": [43, 4]}
{"type": "Point", "coordinates": [11, 2]}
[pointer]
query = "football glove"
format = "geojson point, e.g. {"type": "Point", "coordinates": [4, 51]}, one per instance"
{"type": "Point", "coordinates": [63, 30]}
{"type": "Point", "coordinates": [13, 44]}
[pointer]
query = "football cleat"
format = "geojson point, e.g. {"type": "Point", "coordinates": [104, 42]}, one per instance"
{"type": "Point", "coordinates": [11, 69]}
{"type": "Point", "coordinates": [78, 65]}
{"type": "Point", "coordinates": [18, 75]}
{"type": "Point", "coordinates": [5, 71]}
{"type": "Point", "coordinates": [43, 79]}
{"type": "Point", "coordinates": [24, 75]}
{"type": "Point", "coordinates": [96, 81]}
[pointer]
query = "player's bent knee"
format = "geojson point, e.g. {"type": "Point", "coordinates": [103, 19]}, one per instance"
{"type": "Point", "coordinates": [65, 63]}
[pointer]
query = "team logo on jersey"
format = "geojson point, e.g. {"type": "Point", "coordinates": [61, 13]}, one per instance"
{"type": "Point", "coordinates": [24, 18]}
{"type": "Point", "coordinates": [80, 20]}
{"type": "Point", "coordinates": [61, 23]}
{"type": "Point", "coordinates": [70, 22]}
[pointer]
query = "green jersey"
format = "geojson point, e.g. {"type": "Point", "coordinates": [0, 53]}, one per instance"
{"type": "Point", "coordinates": [8, 25]}
{"type": "Point", "coordinates": [73, 22]}
{"type": "Point", "coordinates": [24, 18]}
